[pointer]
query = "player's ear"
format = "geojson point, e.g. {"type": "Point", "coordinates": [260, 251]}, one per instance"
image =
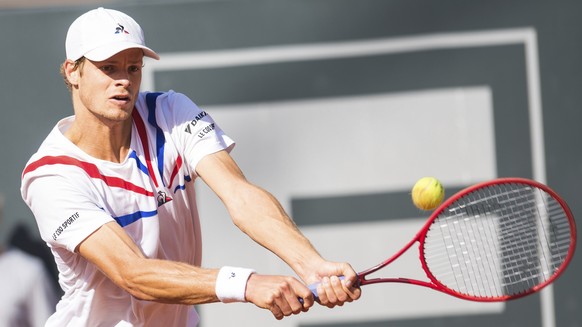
{"type": "Point", "coordinates": [71, 71]}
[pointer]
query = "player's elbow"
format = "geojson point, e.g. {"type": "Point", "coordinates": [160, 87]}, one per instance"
{"type": "Point", "coordinates": [136, 291]}
{"type": "Point", "coordinates": [250, 206]}
{"type": "Point", "coordinates": [134, 282]}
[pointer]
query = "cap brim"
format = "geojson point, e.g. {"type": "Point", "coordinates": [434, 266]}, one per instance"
{"type": "Point", "coordinates": [109, 50]}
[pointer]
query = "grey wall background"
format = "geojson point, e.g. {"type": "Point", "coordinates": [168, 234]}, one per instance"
{"type": "Point", "coordinates": [34, 97]}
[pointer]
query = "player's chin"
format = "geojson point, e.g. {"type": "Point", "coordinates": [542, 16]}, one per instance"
{"type": "Point", "coordinates": [118, 114]}
{"type": "Point", "coordinates": [121, 108]}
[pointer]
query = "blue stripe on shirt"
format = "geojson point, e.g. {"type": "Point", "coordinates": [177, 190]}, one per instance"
{"type": "Point", "coordinates": [133, 217]}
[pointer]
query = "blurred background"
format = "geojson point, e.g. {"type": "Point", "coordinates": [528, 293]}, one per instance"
{"type": "Point", "coordinates": [338, 107]}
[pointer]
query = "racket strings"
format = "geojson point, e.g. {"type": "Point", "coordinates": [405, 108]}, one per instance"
{"type": "Point", "coordinates": [498, 241]}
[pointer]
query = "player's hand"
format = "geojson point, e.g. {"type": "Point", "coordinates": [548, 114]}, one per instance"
{"type": "Point", "coordinates": [278, 294]}
{"type": "Point", "coordinates": [333, 291]}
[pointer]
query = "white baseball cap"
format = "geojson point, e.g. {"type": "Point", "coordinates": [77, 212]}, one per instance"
{"type": "Point", "coordinates": [101, 33]}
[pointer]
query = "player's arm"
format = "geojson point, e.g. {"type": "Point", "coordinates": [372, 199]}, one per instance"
{"type": "Point", "coordinates": [258, 214]}
{"type": "Point", "coordinates": [112, 250]}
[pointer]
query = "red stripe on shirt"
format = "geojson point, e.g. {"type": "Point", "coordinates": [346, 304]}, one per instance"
{"type": "Point", "coordinates": [141, 131]}
{"type": "Point", "coordinates": [175, 171]}
{"type": "Point", "coordinates": [90, 169]}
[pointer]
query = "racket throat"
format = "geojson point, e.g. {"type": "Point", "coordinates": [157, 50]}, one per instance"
{"type": "Point", "coordinates": [364, 281]}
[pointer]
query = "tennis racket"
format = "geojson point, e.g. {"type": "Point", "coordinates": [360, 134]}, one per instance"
{"type": "Point", "coordinates": [494, 241]}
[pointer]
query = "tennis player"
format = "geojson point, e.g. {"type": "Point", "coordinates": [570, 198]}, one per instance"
{"type": "Point", "coordinates": [112, 191]}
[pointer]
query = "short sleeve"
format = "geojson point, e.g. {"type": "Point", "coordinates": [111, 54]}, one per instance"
{"type": "Point", "coordinates": [64, 209]}
{"type": "Point", "coordinates": [193, 130]}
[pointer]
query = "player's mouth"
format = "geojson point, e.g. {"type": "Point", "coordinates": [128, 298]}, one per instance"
{"type": "Point", "coordinates": [121, 98]}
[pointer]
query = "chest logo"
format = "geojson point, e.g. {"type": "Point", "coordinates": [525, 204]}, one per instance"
{"type": "Point", "coordinates": [163, 198]}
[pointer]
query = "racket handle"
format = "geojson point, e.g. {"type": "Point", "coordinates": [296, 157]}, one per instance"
{"type": "Point", "coordinates": [313, 288]}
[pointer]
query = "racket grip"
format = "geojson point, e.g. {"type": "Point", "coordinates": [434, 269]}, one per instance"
{"type": "Point", "coordinates": [313, 289]}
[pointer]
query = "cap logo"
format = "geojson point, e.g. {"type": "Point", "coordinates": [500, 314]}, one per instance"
{"type": "Point", "coordinates": [120, 29]}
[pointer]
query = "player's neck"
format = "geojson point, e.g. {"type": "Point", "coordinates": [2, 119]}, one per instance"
{"type": "Point", "coordinates": [101, 141]}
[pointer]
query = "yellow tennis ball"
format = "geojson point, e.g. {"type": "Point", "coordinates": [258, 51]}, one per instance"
{"type": "Point", "coordinates": [427, 193]}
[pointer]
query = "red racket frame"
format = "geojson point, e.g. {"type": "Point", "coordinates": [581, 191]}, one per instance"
{"type": "Point", "coordinates": [420, 237]}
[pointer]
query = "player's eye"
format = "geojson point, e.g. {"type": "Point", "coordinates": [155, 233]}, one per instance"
{"type": "Point", "coordinates": [134, 69]}
{"type": "Point", "coordinates": [107, 68]}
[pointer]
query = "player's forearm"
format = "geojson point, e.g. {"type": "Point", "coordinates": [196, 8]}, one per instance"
{"type": "Point", "coordinates": [261, 216]}
{"type": "Point", "coordinates": [112, 250]}
{"type": "Point", "coordinates": [168, 282]}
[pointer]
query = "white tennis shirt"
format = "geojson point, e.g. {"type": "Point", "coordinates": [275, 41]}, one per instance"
{"type": "Point", "coordinates": [150, 194]}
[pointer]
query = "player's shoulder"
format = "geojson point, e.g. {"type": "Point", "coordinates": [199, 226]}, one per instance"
{"type": "Point", "coordinates": [166, 108]}
{"type": "Point", "coordinates": [55, 144]}
{"type": "Point", "coordinates": [57, 156]}
{"type": "Point", "coordinates": [162, 101]}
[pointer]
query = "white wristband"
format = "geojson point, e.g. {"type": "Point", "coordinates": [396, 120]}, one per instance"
{"type": "Point", "coordinates": [231, 284]}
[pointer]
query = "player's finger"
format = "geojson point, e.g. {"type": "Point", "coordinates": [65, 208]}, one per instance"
{"type": "Point", "coordinates": [321, 295]}
{"type": "Point", "coordinates": [306, 299]}
{"type": "Point", "coordinates": [288, 299]}
{"type": "Point", "coordinates": [277, 313]}
{"type": "Point", "coordinates": [330, 296]}
{"type": "Point", "coordinates": [339, 290]}
{"type": "Point", "coordinates": [292, 300]}
{"type": "Point", "coordinates": [350, 283]}
{"type": "Point", "coordinates": [344, 289]}
{"type": "Point", "coordinates": [351, 280]}
{"type": "Point", "coordinates": [283, 304]}
{"type": "Point", "coordinates": [353, 292]}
